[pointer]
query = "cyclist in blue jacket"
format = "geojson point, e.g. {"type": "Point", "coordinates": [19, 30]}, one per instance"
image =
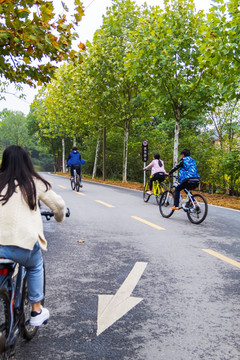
{"type": "Point", "coordinates": [75, 161]}
{"type": "Point", "coordinates": [188, 175]}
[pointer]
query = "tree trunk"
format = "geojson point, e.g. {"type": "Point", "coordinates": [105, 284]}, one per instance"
{"type": "Point", "coordinates": [55, 164]}
{"type": "Point", "coordinates": [94, 174]}
{"type": "Point", "coordinates": [176, 137]}
{"type": "Point", "coordinates": [63, 155]}
{"type": "Point", "coordinates": [104, 154]}
{"type": "Point", "coordinates": [54, 158]}
{"type": "Point", "coordinates": [74, 141]}
{"type": "Point", "coordinates": [125, 150]}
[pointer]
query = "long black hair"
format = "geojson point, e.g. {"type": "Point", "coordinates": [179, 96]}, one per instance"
{"type": "Point", "coordinates": [17, 170]}
{"type": "Point", "coordinates": [157, 157]}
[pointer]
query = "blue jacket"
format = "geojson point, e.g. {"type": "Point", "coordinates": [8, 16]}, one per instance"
{"type": "Point", "coordinates": [74, 158]}
{"type": "Point", "coordinates": [188, 169]}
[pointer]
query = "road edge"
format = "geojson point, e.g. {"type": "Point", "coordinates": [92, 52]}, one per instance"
{"type": "Point", "coordinates": [129, 189]}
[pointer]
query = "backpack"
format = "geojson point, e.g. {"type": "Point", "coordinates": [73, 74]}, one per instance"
{"type": "Point", "coordinates": [188, 170]}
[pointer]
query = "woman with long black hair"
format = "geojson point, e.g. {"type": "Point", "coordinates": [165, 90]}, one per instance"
{"type": "Point", "coordinates": [21, 228]}
{"type": "Point", "coordinates": [158, 171]}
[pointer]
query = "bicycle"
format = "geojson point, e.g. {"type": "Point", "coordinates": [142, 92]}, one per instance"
{"type": "Point", "coordinates": [157, 189]}
{"type": "Point", "coordinates": [15, 308]}
{"type": "Point", "coordinates": [195, 205]}
{"type": "Point", "coordinates": [75, 182]}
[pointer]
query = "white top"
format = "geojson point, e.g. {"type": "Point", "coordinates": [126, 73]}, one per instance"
{"type": "Point", "coordinates": [155, 168]}
{"type": "Point", "coordinates": [20, 226]}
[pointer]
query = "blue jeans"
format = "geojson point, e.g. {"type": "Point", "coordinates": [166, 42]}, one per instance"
{"type": "Point", "coordinates": [33, 262]}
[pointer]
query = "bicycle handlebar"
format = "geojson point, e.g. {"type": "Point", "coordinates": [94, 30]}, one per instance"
{"type": "Point", "coordinates": [174, 176]}
{"type": "Point", "coordinates": [48, 214]}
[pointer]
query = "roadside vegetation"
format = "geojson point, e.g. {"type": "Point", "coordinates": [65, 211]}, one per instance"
{"type": "Point", "coordinates": [167, 75]}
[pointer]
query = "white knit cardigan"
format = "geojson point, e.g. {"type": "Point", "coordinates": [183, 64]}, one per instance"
{"type": "Point", "coordinates": [23, 227]}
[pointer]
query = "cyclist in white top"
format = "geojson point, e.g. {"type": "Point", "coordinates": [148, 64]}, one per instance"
{"type": "Point", "coordinates": [21, 235]}
{"type": "Point", "coordinates": [158, 171]}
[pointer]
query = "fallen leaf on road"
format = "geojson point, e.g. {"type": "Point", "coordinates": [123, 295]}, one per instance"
{"type": "Point", "coordinates": [81, 241]}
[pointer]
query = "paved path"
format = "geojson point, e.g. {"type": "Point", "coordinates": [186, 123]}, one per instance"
{"type": "Point", "coordinates": [183, 302]}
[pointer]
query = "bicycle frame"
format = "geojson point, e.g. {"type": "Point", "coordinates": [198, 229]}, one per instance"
{"type": "Point", "coordinates": [76, 181]}
{"type": "Point", "coordinates": [195, 204]}
{"type": "Point", "coordinates": [188, 198]}
{"type": "Point", "coordinates": [181, 200]}
{"type": "Point", "coordinates": [157, 189]}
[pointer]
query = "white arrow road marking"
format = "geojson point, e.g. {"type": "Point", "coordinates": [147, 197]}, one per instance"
{"type": "Point", "coordinates": [112, 307]}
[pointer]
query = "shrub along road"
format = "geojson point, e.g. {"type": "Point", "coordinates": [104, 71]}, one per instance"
{"type": "Point", "coordinates": [167, 298]}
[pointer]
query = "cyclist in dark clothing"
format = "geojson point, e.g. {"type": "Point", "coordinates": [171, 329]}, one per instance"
{"type": "Point", "coordinates": [74, 161]}
{"type": "Point", "coordinates": [188, 175]}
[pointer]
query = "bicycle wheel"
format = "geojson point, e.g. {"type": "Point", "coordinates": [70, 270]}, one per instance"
{"type": "Point", "coordinates": [77, 184]}
{"type": "Point", "coordinates": [160, 190]}
{"type": "Point", "coordinates": [198, 212]}
{"type": "Point", "coordinates": [166, 202]}
{"type": "Point", "coordinates": [73, 184]}
{"type": "Point", "coordinates": [146, 197]}
{"type": "Point", "coordinates": [29, 331]}
{"type": "Point", "coordinates": [4, 319]}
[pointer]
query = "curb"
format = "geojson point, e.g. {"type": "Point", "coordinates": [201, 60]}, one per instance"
{"type": "Point", "coordinates": [129, 189]}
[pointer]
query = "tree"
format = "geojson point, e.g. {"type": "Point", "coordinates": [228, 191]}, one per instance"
{"type": "Point", "coordinates": [30, 31]}
{"type": "Point", "coordinates": [58, 107]}
{"type": "Point", "coordinates": [123, 104]}
{"type": "Point", "coordinates": [13, 126]}
{"type": "Point", "coordinates": [45, 140]}
{"type": "Point", "coordinates": [225, 121]}
{"type": "Point", "coordinates": [220, 44]}
{"type": "Point", "coordinates": [167, 45]}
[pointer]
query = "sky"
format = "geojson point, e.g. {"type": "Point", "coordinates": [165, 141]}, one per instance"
{"type": "Point", "coordinates": [94, 10]}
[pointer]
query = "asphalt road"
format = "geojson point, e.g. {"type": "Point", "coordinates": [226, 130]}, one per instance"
{"type": "Point", "coordinates": [190, 298]}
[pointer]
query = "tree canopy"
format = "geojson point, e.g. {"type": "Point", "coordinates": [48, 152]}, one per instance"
{"type": "Point", "coordinates": [169, 75]}
{"type": "Point", "coordinates": [29, 31]}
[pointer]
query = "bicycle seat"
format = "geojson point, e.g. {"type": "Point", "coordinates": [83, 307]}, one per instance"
{"type": "Point", "coordinates": [6, 266]}
{"type": "Point", "coordinates": [6, 261]}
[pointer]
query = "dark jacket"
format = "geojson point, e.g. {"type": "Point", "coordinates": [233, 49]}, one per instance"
{"type": "Point", "coordinates": [74, 158]}
{"type": "Point", "coordinates": [188, 169]}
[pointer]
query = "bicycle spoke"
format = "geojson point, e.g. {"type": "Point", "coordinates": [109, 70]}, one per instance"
{"type": "Point", "coordinates": [29, 331]}
{"type": "Point", "coordinates": [166, 204]}
{"type": "Point", "coordinates": [77, 183]}
{"type": "Point", "coordinates": [4, 318]}
{"type": "Point", "coordinates": [73, 184]}
{"type": "Point", "coordinates": [198, 209]}
{"type": "Point", "coordinates": [146, 197]}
